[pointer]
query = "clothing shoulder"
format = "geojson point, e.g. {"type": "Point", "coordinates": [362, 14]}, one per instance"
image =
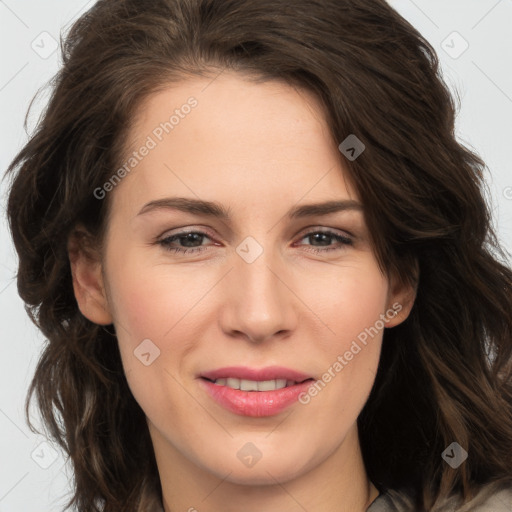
{"type": "Point", "coordinates": [392, 501]}
{"type": "Point", "coordinates": [491, 498]}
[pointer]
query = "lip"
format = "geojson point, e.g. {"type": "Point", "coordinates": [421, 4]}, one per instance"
{"type": "Point", "coordinates": [255, 403]}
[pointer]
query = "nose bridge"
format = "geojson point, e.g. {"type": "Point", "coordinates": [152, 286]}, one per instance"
{"type": "Point", "coordinates": [259, 302]}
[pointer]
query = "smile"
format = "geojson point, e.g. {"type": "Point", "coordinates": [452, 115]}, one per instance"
{"type": "Point", "coordinates": [253, 392]}
{"type": "Point", "coordinates": [254, 385]}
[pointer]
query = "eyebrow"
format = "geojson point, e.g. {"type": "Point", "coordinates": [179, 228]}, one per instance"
{"type": "Point", "coordinates": [213, 209]}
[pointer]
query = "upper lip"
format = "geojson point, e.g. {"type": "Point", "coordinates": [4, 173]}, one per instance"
{"type": "Point", "coordinates": [257, 374]}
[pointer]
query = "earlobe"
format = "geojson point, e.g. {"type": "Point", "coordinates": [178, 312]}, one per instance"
{"type": "Point", "coordinates": [401, 298]}
{"type": "Point", "coordinates": [88, 285]}
{"type": "Point", "coordinates": [401, 306]}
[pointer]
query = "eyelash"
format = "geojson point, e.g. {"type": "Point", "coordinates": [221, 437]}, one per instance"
{"type": "Point", "coordinates": [165, 242]}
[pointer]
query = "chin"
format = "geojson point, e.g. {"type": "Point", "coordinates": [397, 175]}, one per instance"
{"type": "Point", "coordinates": [262, 473]}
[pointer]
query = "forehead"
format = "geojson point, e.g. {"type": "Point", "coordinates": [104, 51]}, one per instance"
{"type": "Point", "coordinates": [232, 136]}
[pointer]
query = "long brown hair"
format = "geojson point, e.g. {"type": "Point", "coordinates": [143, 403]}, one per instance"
{"type": "Point", "coordinates": [445, 374]}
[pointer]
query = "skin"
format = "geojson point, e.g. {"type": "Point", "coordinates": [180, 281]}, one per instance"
{"type": "Point", "coordinates": [259, 150]}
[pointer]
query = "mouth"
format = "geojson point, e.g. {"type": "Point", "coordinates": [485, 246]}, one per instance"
{"type": "Point", "coordinates": [255, 392]}
{"type": "Point", "coordinates": [255, 385]}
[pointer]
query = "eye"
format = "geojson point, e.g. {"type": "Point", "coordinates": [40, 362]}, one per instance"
{"type": "Point", "coordinates": [324, 238]}
{"type": "Point", "coordinates": [188, 242]}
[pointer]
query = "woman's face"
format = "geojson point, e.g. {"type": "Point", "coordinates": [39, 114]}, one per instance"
{"type": "Point", "coordinates": [273, 284]}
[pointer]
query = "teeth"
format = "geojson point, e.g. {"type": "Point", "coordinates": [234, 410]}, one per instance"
{"type": "Point", "coordinates": [271, 385]}
{"type": "Point", "coordinates": [253, 385]}
{"type": "Point", "coordinates": [248, 385]}
{"type": "Point", "coordinates": [233, 383]}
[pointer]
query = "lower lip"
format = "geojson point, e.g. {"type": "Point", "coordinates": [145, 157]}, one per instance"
{"type": "Point", "coordinates": [255, 403]}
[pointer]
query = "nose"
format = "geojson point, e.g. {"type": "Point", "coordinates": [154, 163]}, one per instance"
{"type": "Point", "coordinates": [261, 304]}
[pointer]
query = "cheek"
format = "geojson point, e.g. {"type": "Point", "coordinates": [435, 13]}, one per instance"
{"type": "Point", "coordinates": [150, 313]}
{"type": "Point", "coordinates": [352, 310]}
{"type": "Point", "coordinates": [149, 301]}
{"type": "Point", "coordinates": [348, 302]}
{"type": "Point", "coordinates": [150, 304]}
{"type": "Point", "coordinates": [363, 303]}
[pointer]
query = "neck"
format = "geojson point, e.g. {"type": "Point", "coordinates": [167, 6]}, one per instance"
{"type": "Point", "coordinates": [337, 482]}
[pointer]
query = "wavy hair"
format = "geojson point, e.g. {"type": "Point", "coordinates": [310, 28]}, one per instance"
{"type": "Point", "coordinates": [445, 374]}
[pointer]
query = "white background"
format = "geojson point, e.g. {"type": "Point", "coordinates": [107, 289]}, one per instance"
{"type": "Point", "coordinates": [482, 75]}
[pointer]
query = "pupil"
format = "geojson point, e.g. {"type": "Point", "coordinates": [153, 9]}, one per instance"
{"type": "Point", "coordinates": [317, 237]}
{"type": "Point", "coordinates": [190, 238]}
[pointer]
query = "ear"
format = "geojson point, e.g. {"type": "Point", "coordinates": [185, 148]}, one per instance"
{"type": "Point", "coordinates": [86, 270]}
{"type": "Point", "coordinates": [401, 296]}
